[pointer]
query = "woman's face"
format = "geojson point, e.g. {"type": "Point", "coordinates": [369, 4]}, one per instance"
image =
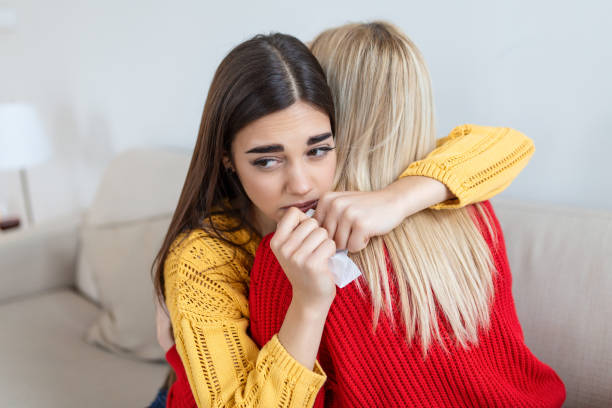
{"type": "Point", "coordinates": [285, 159]}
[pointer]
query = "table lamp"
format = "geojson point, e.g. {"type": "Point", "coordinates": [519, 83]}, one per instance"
{"type": "Point", "coordinates": [23, 143]}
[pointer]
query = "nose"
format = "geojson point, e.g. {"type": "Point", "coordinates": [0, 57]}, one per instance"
{"type": "Point", "coordinates": [298, 181]}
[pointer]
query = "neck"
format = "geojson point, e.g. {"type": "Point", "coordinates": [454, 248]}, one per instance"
{"type": "Point", "coordinates": [263, 224]}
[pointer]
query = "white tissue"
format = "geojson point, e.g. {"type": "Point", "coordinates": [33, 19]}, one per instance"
{"type": "Point", "coordinates": [341, 266]}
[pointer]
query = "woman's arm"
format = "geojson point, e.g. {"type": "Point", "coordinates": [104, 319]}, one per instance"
{"type": "Point", "coordinates": [303, 250]}
{"type": "Point", "coordinates": [208, 305]}
{"type": "Point", "coordinates": [209, 313]}
{"type": "Point", "coordinates": [473, 163]}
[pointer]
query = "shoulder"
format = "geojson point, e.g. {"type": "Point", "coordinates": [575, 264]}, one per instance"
{"type": "Point", "coordinates": [200, 248]}
{"type": "Point", "coordinates": [199, 254]}
{"type": "Point", "coordinates": [203, 270]}
{"type": "Point", "coordinates": [217, 242]}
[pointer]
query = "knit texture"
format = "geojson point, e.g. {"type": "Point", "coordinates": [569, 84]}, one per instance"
{"type": "Point", "coordinates": [207, 289]}
{"type": "Point", "coordinates": [381, 369]}
{"type": "Point", "coordinates": [458, 162]}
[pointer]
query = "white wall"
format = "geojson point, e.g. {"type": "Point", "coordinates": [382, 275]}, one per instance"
{"type": "Point", "coordinates": [110, 75]}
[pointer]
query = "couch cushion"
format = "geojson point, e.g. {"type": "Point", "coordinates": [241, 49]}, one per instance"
{"type": "Point", "coordinates": [46, 363]}
{"type": "Point", "coordinates": [121, 234]}
{"type": "Point", "coordinates": [137, 185]}
{"type": "Point", "coordinates": [121, 257]}
{"type": "Point", "coordinates": [38, 259]}
{"type": "Point", "coordinates": [561, 261]}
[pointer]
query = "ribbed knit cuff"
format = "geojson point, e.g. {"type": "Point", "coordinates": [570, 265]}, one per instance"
{"type": "Point", "coordinates": [429, 168]}
{"type": "Point", "coordinates": [295, 370]}
{"type": "Point", "coordinates": [474, 162]}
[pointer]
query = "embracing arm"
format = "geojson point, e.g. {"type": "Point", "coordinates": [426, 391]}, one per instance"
{"type": "Point", "coordinates": [209, 312]}
{"type": "Point", "coordinates": [473, 163]}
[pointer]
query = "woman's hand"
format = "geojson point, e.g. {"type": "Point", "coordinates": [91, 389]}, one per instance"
{"type": "Point", "coordinates": [352, 218]}
{"type": "Point", "coordinates": [303, 250]}
{"type": "Point", "coordinates": [165, 335]}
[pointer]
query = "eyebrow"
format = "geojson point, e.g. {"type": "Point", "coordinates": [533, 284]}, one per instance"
{"type": "Point", "coordinates": [279, 148]}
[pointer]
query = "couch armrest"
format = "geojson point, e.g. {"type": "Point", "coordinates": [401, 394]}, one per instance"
{"type": "Point", "coordinates": [38, 258]}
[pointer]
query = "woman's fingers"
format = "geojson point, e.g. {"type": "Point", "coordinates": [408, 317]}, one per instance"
{"type": "Point", "coordinates": [322, 206]}
{"type": "Point", "coordinates": [352, 218]}
{"type": "Point", "coordinates": [358, 238]}
{"type": "Point", "coordinates": [343, 231]}
{"type": "Point", "coordinates": [310, 243]}
{"type": "Point", "coordinates": [298, 235]}
{"type": "Point", "coordinates": [303, 250]}
{"type": "Point", "coordinates": [339, 215]}
{"type": "Point", "coordinates": [335, 207]}
{"type": "Point", "coordinates": [325, 250]}
{"type": "Point", "coordinates": [285, 227]}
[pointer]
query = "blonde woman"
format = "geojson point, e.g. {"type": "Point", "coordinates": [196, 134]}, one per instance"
{"type": "Point", "coordinates": [432, 321]}
{"type": "Point", "coordinates": [266, 151]}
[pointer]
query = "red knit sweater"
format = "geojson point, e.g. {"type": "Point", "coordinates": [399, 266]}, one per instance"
{"type": "Point", "coordinates": [382, 370]}
{"type": "Point", "coordinates": [179, 394]}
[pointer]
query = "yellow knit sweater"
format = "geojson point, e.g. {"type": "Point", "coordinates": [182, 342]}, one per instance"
{"type": "Point", "coordinates": [206, 283]}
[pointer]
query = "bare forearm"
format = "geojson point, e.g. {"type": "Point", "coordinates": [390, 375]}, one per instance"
{"type": "Point", "coordinates": [416, 193]}
{"type": "Point", "coordinates": [301, 332]}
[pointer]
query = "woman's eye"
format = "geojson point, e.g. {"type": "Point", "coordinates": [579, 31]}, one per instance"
{"type": "Point", "coordinates": [320, 151]}
{"type": "Point", "coordinates": [264, 163]}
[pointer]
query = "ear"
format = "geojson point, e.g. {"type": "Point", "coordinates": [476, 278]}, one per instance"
{"type": "Point", "coordinates": [227, 162]}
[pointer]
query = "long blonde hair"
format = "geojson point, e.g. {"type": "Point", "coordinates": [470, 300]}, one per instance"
{"type": "Point", "coordinates": [385, 121]}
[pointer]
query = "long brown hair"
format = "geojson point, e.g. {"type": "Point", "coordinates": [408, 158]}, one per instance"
{"type": "Point", "coordinates": [262, 75]}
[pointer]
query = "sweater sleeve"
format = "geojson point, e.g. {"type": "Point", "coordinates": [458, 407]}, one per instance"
{"type": "Point", "coordinates": [207, 299]}
{"type": "Point", "coordinates": [475, 162]}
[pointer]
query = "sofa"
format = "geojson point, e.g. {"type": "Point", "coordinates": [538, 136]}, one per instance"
{"type": "Point", "coordinates": [78, 321]}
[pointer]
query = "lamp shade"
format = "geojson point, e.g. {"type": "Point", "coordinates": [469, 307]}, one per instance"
{"type": "Point", "coordinates": [23, 142]}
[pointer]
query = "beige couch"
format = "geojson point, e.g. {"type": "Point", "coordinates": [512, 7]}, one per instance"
{"type": "Point", "coordinates": [60, 315]}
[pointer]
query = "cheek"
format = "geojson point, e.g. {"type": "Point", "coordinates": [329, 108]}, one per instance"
{"type": "Point", "coordinates": [262, 189]}
{"type": "Point", "coordinates": [328, 173]}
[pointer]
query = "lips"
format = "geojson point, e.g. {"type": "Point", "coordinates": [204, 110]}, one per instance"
{"type": "Point", "coordinates": [305, 206]}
